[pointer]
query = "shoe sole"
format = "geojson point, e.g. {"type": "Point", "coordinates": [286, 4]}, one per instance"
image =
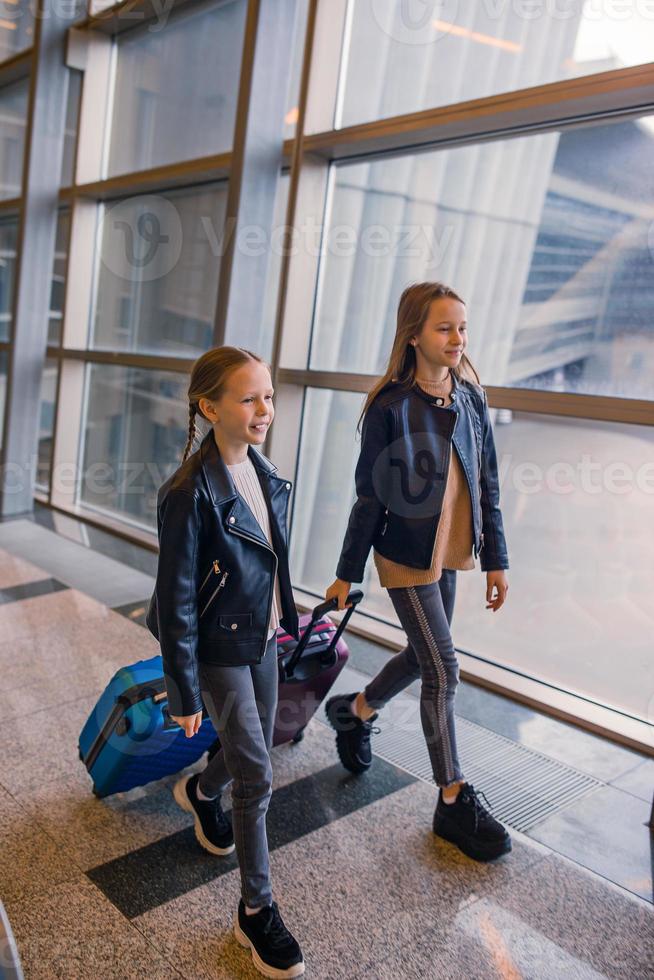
{"type": "Point", "coordinates": [179, 792]}
{"type": "Point", "coordinates": [474, 849]}
{"type": "Point", "coordinates": [268, 971]}
{"type": "Point", "coordinates": [357, 768]}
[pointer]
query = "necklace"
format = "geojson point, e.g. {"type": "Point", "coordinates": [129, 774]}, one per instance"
{"type": "Point", "coordinates": [430, 382]}
{"type": "Point", "coordinates": [438, 401]}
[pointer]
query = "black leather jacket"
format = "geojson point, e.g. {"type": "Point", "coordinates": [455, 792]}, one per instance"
{"type": "Point", "coordinates": [216, 571]}
{"type": "Point", "coordinates": [400, 478]}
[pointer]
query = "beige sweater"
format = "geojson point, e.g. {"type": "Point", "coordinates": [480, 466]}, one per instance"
{"type": "Point", "coordinates": [247, 483]}
{"type": "Point", "coordinates": [454, 536]}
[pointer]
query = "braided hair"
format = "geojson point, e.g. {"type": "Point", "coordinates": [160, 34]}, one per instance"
{"type": "Point", "coordinates": [192, 412]}
{"type": "Point", "coordinates": [208, 376]}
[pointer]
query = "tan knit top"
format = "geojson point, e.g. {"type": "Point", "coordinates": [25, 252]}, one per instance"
{"type": "Point", "coordinates": [248, 485]}
{"type": "Point", "coordinates": [454, 536]}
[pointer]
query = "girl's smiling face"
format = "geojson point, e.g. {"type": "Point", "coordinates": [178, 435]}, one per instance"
{"type": "Point", "coordinates": [444, 334]}
{"type": "Point", "coordinates": [244, 411]}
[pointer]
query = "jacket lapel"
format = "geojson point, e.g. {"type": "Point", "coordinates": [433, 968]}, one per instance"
{"type": "Point", "coordinates": [222, 489]}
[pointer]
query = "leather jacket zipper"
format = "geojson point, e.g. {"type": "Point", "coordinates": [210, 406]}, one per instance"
{"type": "Point", "coordinates": [214, 570]}
{"type": "Point", "coordinates": [214, 593]}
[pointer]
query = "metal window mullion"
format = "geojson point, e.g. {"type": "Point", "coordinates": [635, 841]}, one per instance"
{"type": "Point", "coordinates": [287, 434]}
{"type": "Point", "coordinates": [38, 216]}
{"type": "Point", "coordinates": [155, 362]}
{"type": "Point", "coordinates": [257, 156]}
{"type": "Point", "coordinates": [588, 98]}
{"type": "Point", "coordinates": [594, 407]}
{"type": "Point", "coordinates": [130, 15]}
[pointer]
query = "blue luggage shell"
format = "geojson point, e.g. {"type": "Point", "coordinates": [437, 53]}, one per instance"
{"type": "Point", "coordinates": [129, 738]}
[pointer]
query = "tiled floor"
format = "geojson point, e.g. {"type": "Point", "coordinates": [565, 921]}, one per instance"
{"type": "Point", "coordinates": [118, 887]}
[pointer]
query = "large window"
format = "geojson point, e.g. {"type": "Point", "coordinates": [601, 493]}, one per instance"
{"type": "Point", "coordinates": [576, 499]}
{"type": "Point", "coordinates": [135, 432]}
{"type": "Point", "coordinates": [547, 238]}
{"type": "Point", "coordinates": [176, 88]}
{"type": "Point", "coordinates": [158, 272]}
{"type": "Point", "coordinates": [414, 55]}
{"type": "Point", "coordinates": [530, 194]}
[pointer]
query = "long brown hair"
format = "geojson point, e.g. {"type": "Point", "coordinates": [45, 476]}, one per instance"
{"type": "Point", "coordinates": [412, 312]}
{"type": "Point", "coordinates": [208, 376]}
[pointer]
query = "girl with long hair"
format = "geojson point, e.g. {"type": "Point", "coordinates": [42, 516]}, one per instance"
{"type": "Point", "coordinates": [428, 504]}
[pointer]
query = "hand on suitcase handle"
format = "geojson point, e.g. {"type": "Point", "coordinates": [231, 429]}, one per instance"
{"type": "Point", "coordinates": [339, 589]}
{"type": "Point", "coordinates": [352, 598]}
{"type": "Point", "coordinates": [355, 596]}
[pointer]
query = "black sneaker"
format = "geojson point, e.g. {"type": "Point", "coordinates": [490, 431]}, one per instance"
{"type": "Point", "coordinates": [212, 828]}
{"type": "Point", "coordinates": [352, 734]}
{"type": "Point", "coordinates": [275, 952]}
{"type": "Point", "coordinates": [469, 825]}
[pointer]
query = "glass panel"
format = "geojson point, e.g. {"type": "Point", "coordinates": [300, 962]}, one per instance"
{"type": "Point", "coordinates": [8, 235]}
{"type": "Point", "coordinates": [324, 493]}
{"type": "Point", "coordinates": [135, 432]}
{"type": "Point", "coordinates": [547, 238]}
{"type": "Point", "coordinates": [267, 330]}
{"type": "Point", "coordinates": [46, 423]}
{"type": "Point", "coordinates": [4, 358]}
{"type": "Point", "coordinates": [70, 132]}
{"type": "Point", "coordinates": [16, 27]}
{"type": "Point", "coordinates": [176, 89]}
{"type": "Point", "coordinates": [409, 56]}
{"type": "Point", "coordinates": [13, 119]}
{"type": "Point", "coordinates": [293, 98]}
{"type": "Point", "coordinates": [58, 287]}
{"type": "Point", "coordinates": [576, 499]}
{"type": "Point", "coordinates": [158, 272]}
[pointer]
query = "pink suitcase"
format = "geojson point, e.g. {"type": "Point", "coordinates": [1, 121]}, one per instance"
{"type": "Point", "coordinates": [307, 668]}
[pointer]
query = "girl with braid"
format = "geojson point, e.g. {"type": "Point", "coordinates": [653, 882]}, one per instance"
{"type": "Point", "coordinates": [223, 588]}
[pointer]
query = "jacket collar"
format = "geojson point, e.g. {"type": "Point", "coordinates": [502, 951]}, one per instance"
{"type": "Point", "coordinates": [217, 476]}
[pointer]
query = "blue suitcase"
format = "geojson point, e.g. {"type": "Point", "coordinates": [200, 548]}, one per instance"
{"type": "Point", "coordinates": [130, 739]}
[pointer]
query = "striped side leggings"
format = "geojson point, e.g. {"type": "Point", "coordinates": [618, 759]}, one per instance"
{"type": "Point", "coordinates": [425, 613]}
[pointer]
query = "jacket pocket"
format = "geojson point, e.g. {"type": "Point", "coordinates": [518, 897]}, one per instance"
{"type": "Point", "coordinates": [234, 622]}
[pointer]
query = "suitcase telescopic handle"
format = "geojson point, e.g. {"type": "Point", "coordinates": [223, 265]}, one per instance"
{"type": "Point", "coordinates": [352, 600]}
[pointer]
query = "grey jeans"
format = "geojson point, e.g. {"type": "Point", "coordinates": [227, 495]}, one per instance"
{"type": "Point", "coordinates": [242, 702]}
{"type": "Point", "coordinates": [425, 613]}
